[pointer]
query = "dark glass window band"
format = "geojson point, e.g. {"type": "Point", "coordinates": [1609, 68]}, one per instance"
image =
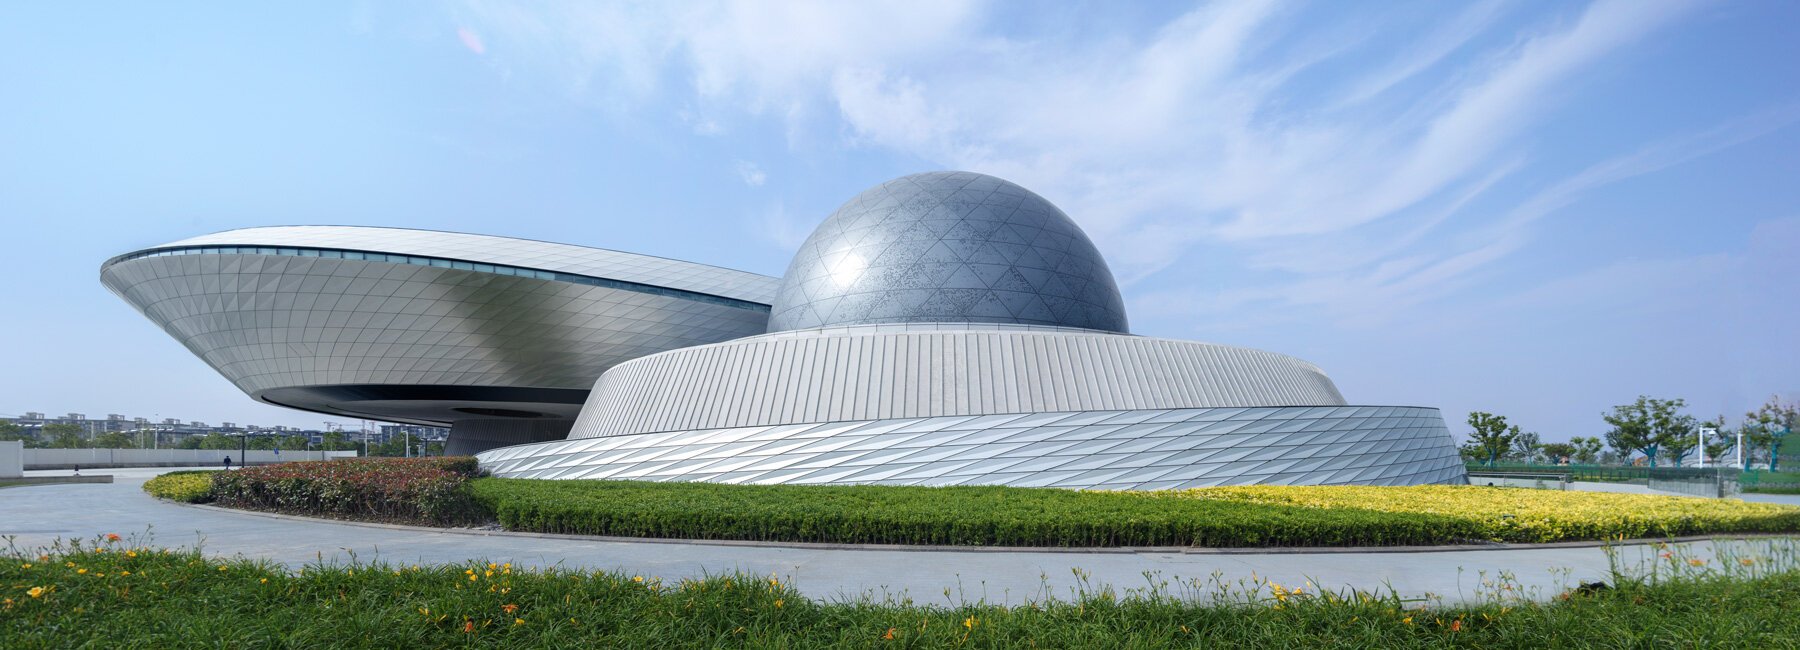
{"type": "Point", "coordinates": [446, 263]}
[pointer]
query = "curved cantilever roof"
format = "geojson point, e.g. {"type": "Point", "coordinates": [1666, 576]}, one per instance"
{"type": "Point", "coordinates": [424, 326]}
{"type": "Point", "coordinates": [525, 253]}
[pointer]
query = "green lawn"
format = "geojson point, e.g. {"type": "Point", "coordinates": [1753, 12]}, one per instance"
{"type": "Point", "coordinates": [126, 596]}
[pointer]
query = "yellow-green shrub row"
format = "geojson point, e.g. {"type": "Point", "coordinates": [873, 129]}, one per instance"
{"type": "Point", "coordinates": [964, 516]}
{"type": "Point", "coordinates": [1518, 515]}
{"type": "Point", "coordinates": [192, 486]}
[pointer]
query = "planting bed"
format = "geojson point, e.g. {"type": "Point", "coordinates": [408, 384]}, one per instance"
{"type": "Point", "coordinates": [440, 491]}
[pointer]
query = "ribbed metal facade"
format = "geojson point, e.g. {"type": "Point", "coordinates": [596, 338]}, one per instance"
{"type": "Point", "coordinates": [1112, 450]}
{"type": "Point", "coordinates": [885, 371]}
{"type": "Point", "coordinates": [292, 317]}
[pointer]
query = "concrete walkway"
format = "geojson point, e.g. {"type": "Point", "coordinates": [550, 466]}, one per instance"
{"type": "Point", "coordinates": [37, 515]}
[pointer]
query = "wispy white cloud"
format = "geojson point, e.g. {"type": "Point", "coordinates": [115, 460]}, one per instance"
{"type": "Point", "coordinates": [1188, 137]}
{"type": "Point", "coordinates": [470, 40]}
{"type": "Point", "coordinates": [748, 172]}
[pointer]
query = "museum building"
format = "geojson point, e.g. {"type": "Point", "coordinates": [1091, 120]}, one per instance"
{"type": "Point", "coordinates": [945, 328]}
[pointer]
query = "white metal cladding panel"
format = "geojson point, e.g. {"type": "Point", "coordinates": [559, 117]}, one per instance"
{"type": "Point", "coordinates": [270, 321]}
{"type": "Point", "coordinates": [877, 373]}
{"type": "Point", "coordinates": [548, 256]}
{"type": "Point", "coordinates": [1116, 450]}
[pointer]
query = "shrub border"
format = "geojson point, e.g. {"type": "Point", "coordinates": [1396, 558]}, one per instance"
{"type": "Point", "coordinates": [1105, 550]}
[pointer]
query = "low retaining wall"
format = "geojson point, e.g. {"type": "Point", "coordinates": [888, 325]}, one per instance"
{"type": "Point", "coordinates": [50, 480]}
{"type": "Point", "coordinates": [12, 459]}
{"type": "Point", "coordinates": [102, 458]}
{"type": "Point", "coordinates": [1533, 481]}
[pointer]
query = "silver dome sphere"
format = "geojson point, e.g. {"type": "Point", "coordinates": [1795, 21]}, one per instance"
{"type": "Point", "coordinates": [948, 247]}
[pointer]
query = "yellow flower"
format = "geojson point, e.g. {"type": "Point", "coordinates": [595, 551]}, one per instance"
{"type": "Point", "coordinates": [35, 592]}
{"type": "Point", "coordinates": [24, 566]}
{"type": "Point", "coordinates": [777, 603]}
{"type": "Point", "coordinates": [81, 571]}
{"type": "Point", "coordinates": [265, 581]}
{"type": "Point", "coordinates": [637, 578]}
{"type": "Point", "coordinates": [1407, 620]}
{"type": "Point", "coordinates": [1696, 562]}
{"type": "Point", "coordinates": [518, 621]}
{"type": "Point", "coordinates": [124, 573]}
{"type": "Point", "coordinates": [425, 611]}
{"type": "Point", "coordinates": [473, 578]}
{"type": "Point", "coordinates": [489, 573]}
{"type": "Point", "coordinates": [222, 567]}
{"type": "Point", "coordinates": [969, 622]}
{"type": "Point", "coordinates": [131, 554]}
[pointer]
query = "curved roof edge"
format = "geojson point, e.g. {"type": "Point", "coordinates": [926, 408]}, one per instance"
{"type": "Point", "coordinates": [494, 249]}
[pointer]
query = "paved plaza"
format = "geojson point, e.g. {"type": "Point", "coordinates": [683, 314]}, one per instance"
{"type": "Point", "coordinates": [38, 515]}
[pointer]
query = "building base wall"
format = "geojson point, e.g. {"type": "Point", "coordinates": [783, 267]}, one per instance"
{"type": "Point", "coordinates": [470, 437]}
{"type": "Point", "coordinates": [1111, 450]}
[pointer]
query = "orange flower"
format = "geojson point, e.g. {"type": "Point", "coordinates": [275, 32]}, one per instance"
{"type": "Point", "coordinates": [1456, 625]}
{"type": "Point", "coordinates": [112, 537]}
{"type": "Point", "coordinates": [890, 634]}
{"type": "Point", "coordinates": [509, 608]}
{"type": "Point", "coordinates": [468, 627]}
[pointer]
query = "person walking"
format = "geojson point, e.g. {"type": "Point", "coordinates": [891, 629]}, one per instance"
{"type": "Point", "coordinates": [227, 463]}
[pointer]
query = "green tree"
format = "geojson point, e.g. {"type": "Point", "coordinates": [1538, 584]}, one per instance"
{"type": "Point", "coordinates": [115, 440]}
{"type": "Point", "coordinates": [1768, 427]}
{"type": "Point", "coordinates": [1721, 442]}
{"type": "Point", "coordinates": [10, 431]}
{"type": "Point", "coordinates": [1525, 447]}
{"type": "Point", "coordinates": [218, 441]}
{"type": "Point", "coordinates": [1678, 434]}
{"type": "Point", "coordinates": [1587, 449]}
{"type": "Point", "coordinates": [1647, 426]}
{"type": "Point", "coordinates": [1491, 436]}
{"type": "Point", "coordinates": [1558, 452]}
{"type": "Point", "coordinates": [62, 435]}
{"type": "Point", "coordinates": [334, 441]}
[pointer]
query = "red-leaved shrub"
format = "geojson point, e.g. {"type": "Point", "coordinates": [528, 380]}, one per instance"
{"type": "Point", "coordinates": [414, 490]}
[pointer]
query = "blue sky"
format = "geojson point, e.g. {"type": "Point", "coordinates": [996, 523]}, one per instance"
{"type": "Point", "coordinates": [1537, 209]}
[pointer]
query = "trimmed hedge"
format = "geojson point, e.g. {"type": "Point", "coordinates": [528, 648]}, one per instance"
{"type": "Point", "coordinates": [1530, 516]}
{"type": "Point", "coordinates": [186, 486]}
{"type": "Point", "coordinates": [966, 516]}
{"type": "Point", "coordinates": [413, 490]}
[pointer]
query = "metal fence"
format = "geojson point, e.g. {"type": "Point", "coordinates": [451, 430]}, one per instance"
{"type": "Point", "coordinates": [1698, 481]}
